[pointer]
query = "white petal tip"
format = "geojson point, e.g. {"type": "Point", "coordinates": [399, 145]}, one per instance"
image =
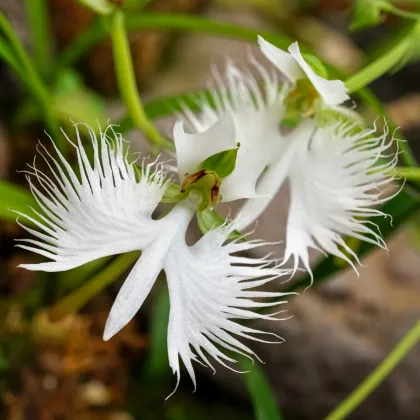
{"type": "Point", "coordinates": [111, 328]}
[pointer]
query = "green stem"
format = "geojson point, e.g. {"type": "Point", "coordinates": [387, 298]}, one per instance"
{"type": "Point", "coordinates": [198, 24]}
{"type": "Point", "coordinates": [378, 375]}
{"type": "Point", "coordinates": [127, 83]}
{"type": "Point", "coordinates": [75, 300]}
{"type": "Point", "coordinates": [412, 173]}
{"type": "Point", "coordinates": [384, 63]}
{"type": "Point", "coordinates": [32, 80]}
{"type": "Point", "coordinates": [391, 9]}
{"type": "Point", "coordinates": [39, 24]}
{"type": "Point", "coordinates": [156, 21]}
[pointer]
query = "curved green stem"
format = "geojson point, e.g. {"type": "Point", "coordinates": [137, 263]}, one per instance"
{"type": "Point", "coordinates": [412, 173]}
{"type": "Point", "coordinates": [384, 63]}
{"type": "Point", "coordinates": [96, 33]}
{"type": "Point", "coordinates": [31, 78]}
{"type": "Point", "coordinates": [199, 24]}
{"type": "Point", "coordinates": [127, 83]}
{"type": "Point", "coordinates": [391, 9]}
{"type": "Point", "coordinates": [378, 375]}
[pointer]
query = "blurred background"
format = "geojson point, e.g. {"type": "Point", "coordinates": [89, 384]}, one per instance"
{"type": "Point", "coordinates": [340, 330]}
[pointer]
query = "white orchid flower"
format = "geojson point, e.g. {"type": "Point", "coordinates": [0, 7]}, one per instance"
{"type": "Point", "coordinates": [256, 113]}
{"type": "Point", "coordinates": [337, 174]}
{"type": "Point", "coordinates": [336, 170]}
{"type": "Point", "coordinates": [106, 208]}
{"type": "Point", "coordinates": [294, 67]}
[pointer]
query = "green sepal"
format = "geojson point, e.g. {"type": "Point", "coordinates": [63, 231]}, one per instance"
{"type": "Point", "coordinates": [210, 219]}
{"type": "Point", "coordinates": [102, 7]}
{"type": "Point", "coordinates": [223, 163]}
{"type": "Point", "coordinates": [365, 13]}
{"type": "Point", "coordinates": [316, 65]}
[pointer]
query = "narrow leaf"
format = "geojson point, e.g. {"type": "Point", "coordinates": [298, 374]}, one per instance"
{"type": "Point", "coordinates": [157, 363]}
{"type": "Point", "coordinates": [16, 198]}
{"type": "Point", "coordinates": [259, 389]}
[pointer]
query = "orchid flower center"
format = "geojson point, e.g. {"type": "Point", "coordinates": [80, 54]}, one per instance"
{"type": "Point", "coordinates": [302, 100]}
{"type": "Point", "coordinates": [205, 184]}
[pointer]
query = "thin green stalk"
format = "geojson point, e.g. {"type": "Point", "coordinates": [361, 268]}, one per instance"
{"type": "Point", "coordinates": [384, 63]}
{"type": "Point", "coordinates": [39, 25]}
{"type": "Point", "coordinates": [391, 9]}
{"type": "Point", "coordinates": [127, 83]}
{"type": "Point", "coordinates": [411, 173]}
{"type": "Point", "coordinates": [144, 21]}
{"type": "Point", "coordinates": [32, 79]}
{"type": "Point", "coordinates": [378, 375]}
{"type": "Point", "coordinates": [8, 56]}
{"type": "Point", "coordinates": [199, 24]}
{"type": "Point", "coordinates": [75, 300]}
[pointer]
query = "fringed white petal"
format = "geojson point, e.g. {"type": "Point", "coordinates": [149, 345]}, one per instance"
{"type": "Point", "coordinates": [100, 210]}
{"type": "Point", "coordinates": [274, 177]}
{"type": "Point", "coordinates": [282, 60]}
{"type": "Point", "coordinates": [333, 92]}
{"type": "Point", "coordinates": [209, 288]}
{"type": "Point", "coordinates": [256, 113]}
{"type": "Point", "coordinates": [336, 179]}
{"type": "Point", "coordinates": [142, 277]}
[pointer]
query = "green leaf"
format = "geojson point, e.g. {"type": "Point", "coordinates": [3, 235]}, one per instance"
{"type": "Point", "coordinates": [73, 101]}
{"type": "Point", "coordinates": [400, 208]}
{"type": "Point", "coordinates": [157, 364]}
{"type": "Point", "coordinates": [40, 32]}
{"type": "Point", "coordinates": [135, 4]}
{"type": "Point", "coordinates": [16, 198]}
{"type": "Point", "coordinates": [8, 55]}
{"type": "Point", "coordinates": [260, 392]}
{"type": "Point", "coordinates": [102, 7]}
{"type": "Point", "coordinates": [223, 163]}
{"type": "Point", "coordinates": [210, 219]}
{"type": "Point", "coordinates": [365, 13]}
